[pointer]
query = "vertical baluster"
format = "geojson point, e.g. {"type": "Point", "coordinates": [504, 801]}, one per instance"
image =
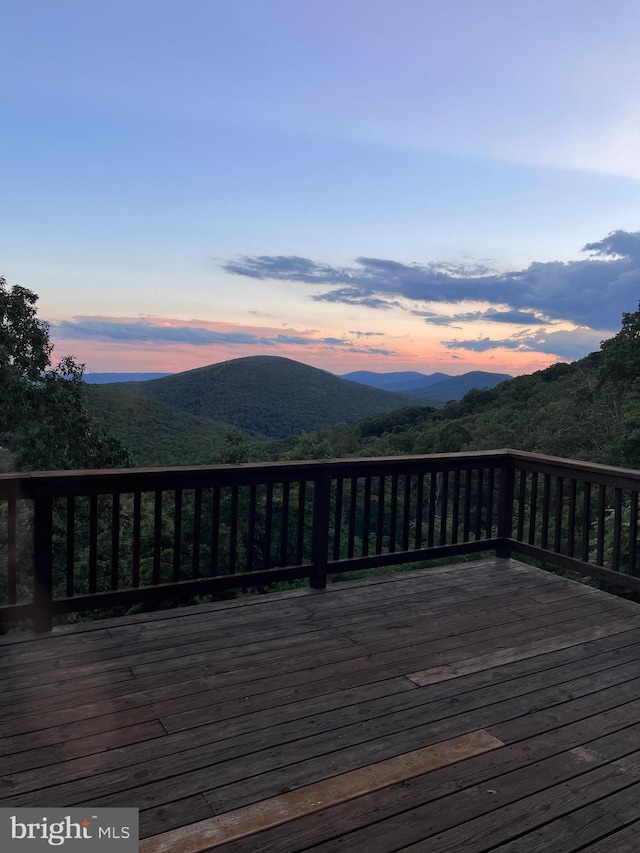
{"type": "Point", "coordinates": [433, 495]}
{"type": "Point", "coordinates": [557, 532]}
{"type": "Point", "coordinates": [268, 527]}
{"type": "Point", "coordinates": [351, 532]}
{"type": "Point", "coordinates": [320, 528]}
{"type": "Point", "coordinates": [602, 506]}
{"type": "Point", "coordinates": [71, 545]}
{"type": "Point", "coordinates": [284, 525]}
{"type": "Point", "coordinates": [479, 504]}
{"type": "Point", "coordinates": [522, 496]}
{"type": "Point", "coordinates": [633, 533]}
{"type": "Point", "coordinates": [393, 512]}
{"type": "Point", "coordinates": [12, 575]}
{"type": "Point", "coordinates": [233, 530]}
{"type": "Point", "coordinates": [571, 533]}
{"type": "Point", "coordinates": [466, 520]}
{"type": "Point", "coordinates": [617, 529]}
{"type": "Point", "coordinates": [251, 530]}
{"type": "Point", "coordinates": [533, 508]}
{"type": "Point", "coordinates": [115, 539]}
{"type": "Point", "coordinates": [380, 515]}
{"type": "Point", "coordinates": [302, 497]}
{"type": "Point", "coordinates": [177, 533]}
{"type": "Point", "coordinates": [366, 515]}
{"type": "Point", "coordinates": [157, 536]}
{"type": "Point", "coordinates": [43, 563]}
{"type": "Point", "coordinates": [504, 521]}
{"type": "Point", "coordinates": [586, 521]}
{"type": "Point", "coordinates": [455, 517]}
{"type": "Point", "coordinates": [444, 507]}
{"type": "Point", "coordinates": [135, 561]}
{"type": "Point", "coordinates": [197, 528]}
{"type": "Point", "coordinates": [490, 488]}
{"type": "Point", "coordinates": [406, 512]}
{"type": "Point", "coordinates": [93, 543]}
{"type": "Point", "coordinates": [546, 502]}
{"type": "Point", "coordinates": [215, 530]}
{"type": "Point", "coordinates": [419, 507]}
{"type": "Point", "coordinates": [337, 525]}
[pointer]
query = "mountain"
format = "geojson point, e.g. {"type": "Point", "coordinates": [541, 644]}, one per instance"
{"type": "Point", "coordinates": [400, 380]}
{"type": "Point", "coordinates": [433, 389]}
{"type": "Point", "coordinates": [589, 409]}
{"type": "Point", "coordinates": [269, 395]}
{"type": "Point", "coordinates": [103, 378]}
{"type": "Point", "coordinates": [455, 387]}
{"type": "Point", "coordinates": [157, 434]}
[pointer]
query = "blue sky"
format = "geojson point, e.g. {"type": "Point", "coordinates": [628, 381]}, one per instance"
{"type": "Point", "coordinates": [356, 184]}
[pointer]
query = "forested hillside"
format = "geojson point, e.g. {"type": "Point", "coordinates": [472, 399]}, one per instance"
{"type": "Point", "coordinates": [589, 409]}
{"type": "Point", "coordinates": [157, 434]}
{"type": "Point", "coordinates": [275, 397]}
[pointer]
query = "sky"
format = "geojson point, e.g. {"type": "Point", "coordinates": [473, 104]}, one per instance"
{"type": "Point", "coordinates": [356, 184]}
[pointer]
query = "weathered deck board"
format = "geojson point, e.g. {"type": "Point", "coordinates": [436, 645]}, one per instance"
{"type": "Point", "coordinates": [280, 722]}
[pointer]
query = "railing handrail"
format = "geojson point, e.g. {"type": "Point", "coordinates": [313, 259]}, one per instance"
{"type": "Point", "coordinates": [28, 483]}
{"type": "Point", "coordinates": [102, 481]}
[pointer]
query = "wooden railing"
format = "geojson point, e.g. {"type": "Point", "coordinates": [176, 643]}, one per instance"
{"type": "Point", "coordinates": [77, 541]}
{"type": "Point", "coordinates": [577, 516]}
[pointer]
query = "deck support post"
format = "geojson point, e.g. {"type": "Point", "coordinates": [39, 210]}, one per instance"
{"type": "Point", "coordinates": [320, 532]}
{"type": "Point", "coordinates": [43, 564]}
{"type": "Point", "coordinates": [505, 508]}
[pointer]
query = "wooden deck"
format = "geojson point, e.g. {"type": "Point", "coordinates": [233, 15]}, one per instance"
{"type": "Point", "coordinates": [476, 707]}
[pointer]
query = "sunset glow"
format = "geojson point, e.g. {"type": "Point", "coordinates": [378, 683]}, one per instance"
{"type": "Point", "coordinates": [354, 185]}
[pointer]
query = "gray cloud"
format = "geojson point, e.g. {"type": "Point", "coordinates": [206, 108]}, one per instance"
{"type": "Point", "coordinates": [590, 292]}
{"type": "Point", "coordinates": [567, 344]}
{"type": "Point", "coordinates": [98, 328]}
{"type": "Point", "coordinates": [294, 339]}
{"type": "Point", "coordinates": [515, 317]}
{"type": "Point", "coordinates": [355, 296]}
{"type": "Point", "coordinates": [492, 315]}
{"type": "Point", "coordinates": [359, 334]}
{"type": "Point", "coordinates": [287, 268]}
{"type": "Point", "coordinates": [618, 244]}
{"type": "Point", "coordinates": [115, 330]}
{"type": "Point", "coordinates": [372, 350]}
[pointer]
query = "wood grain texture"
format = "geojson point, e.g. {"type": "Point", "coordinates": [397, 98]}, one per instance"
{"type": "Point", "coordinates": [260, 707]}
{"type": "Point", "coordinates": [250, 820]}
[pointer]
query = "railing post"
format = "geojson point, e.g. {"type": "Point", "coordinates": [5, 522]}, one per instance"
{"type": "Point", "coordinates": [320, 531]}
{"type": "Point", "coordinates": [505, 508]}
{"type": "Point", "coordinates": [43, 563]}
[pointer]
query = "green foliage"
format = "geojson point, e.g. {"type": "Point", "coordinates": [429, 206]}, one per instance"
{"type": "Point", "coordinates": [158, 434]}
{"type": "Point", "coordinates": [273, 397]}
{"type": "Point", "coordinates": [44, 422]}
{"type": "Point", "coordinates": [621, 354]}
{"type": "Point", "coordinates": [566, 410]}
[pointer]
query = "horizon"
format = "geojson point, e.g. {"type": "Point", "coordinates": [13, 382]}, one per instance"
{"type": "Point", "coordinates": [267, 355]}
{"type": "Point", "coordinates": [369, 185]}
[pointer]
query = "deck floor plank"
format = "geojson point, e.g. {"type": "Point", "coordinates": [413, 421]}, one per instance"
{"type": "Point", "coordinates": [236, 710]}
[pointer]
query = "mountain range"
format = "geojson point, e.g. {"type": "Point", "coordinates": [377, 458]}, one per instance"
{"type": "Point", "coordinates": [435, 388]}
{"type": "Point", "coordinates": [190, 417]}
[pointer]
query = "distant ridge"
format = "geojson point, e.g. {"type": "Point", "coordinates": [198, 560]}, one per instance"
{"type": "Point", "coordinates": [104, 378]}
{"type": "Point", "coordinates": [430, 389]}
{"type": "Point", "coordinates": [395, 381]}
{"type": "Point", "coordinates": [269, 395]}
{"type": "Point", "coordinates": [457, 386]}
